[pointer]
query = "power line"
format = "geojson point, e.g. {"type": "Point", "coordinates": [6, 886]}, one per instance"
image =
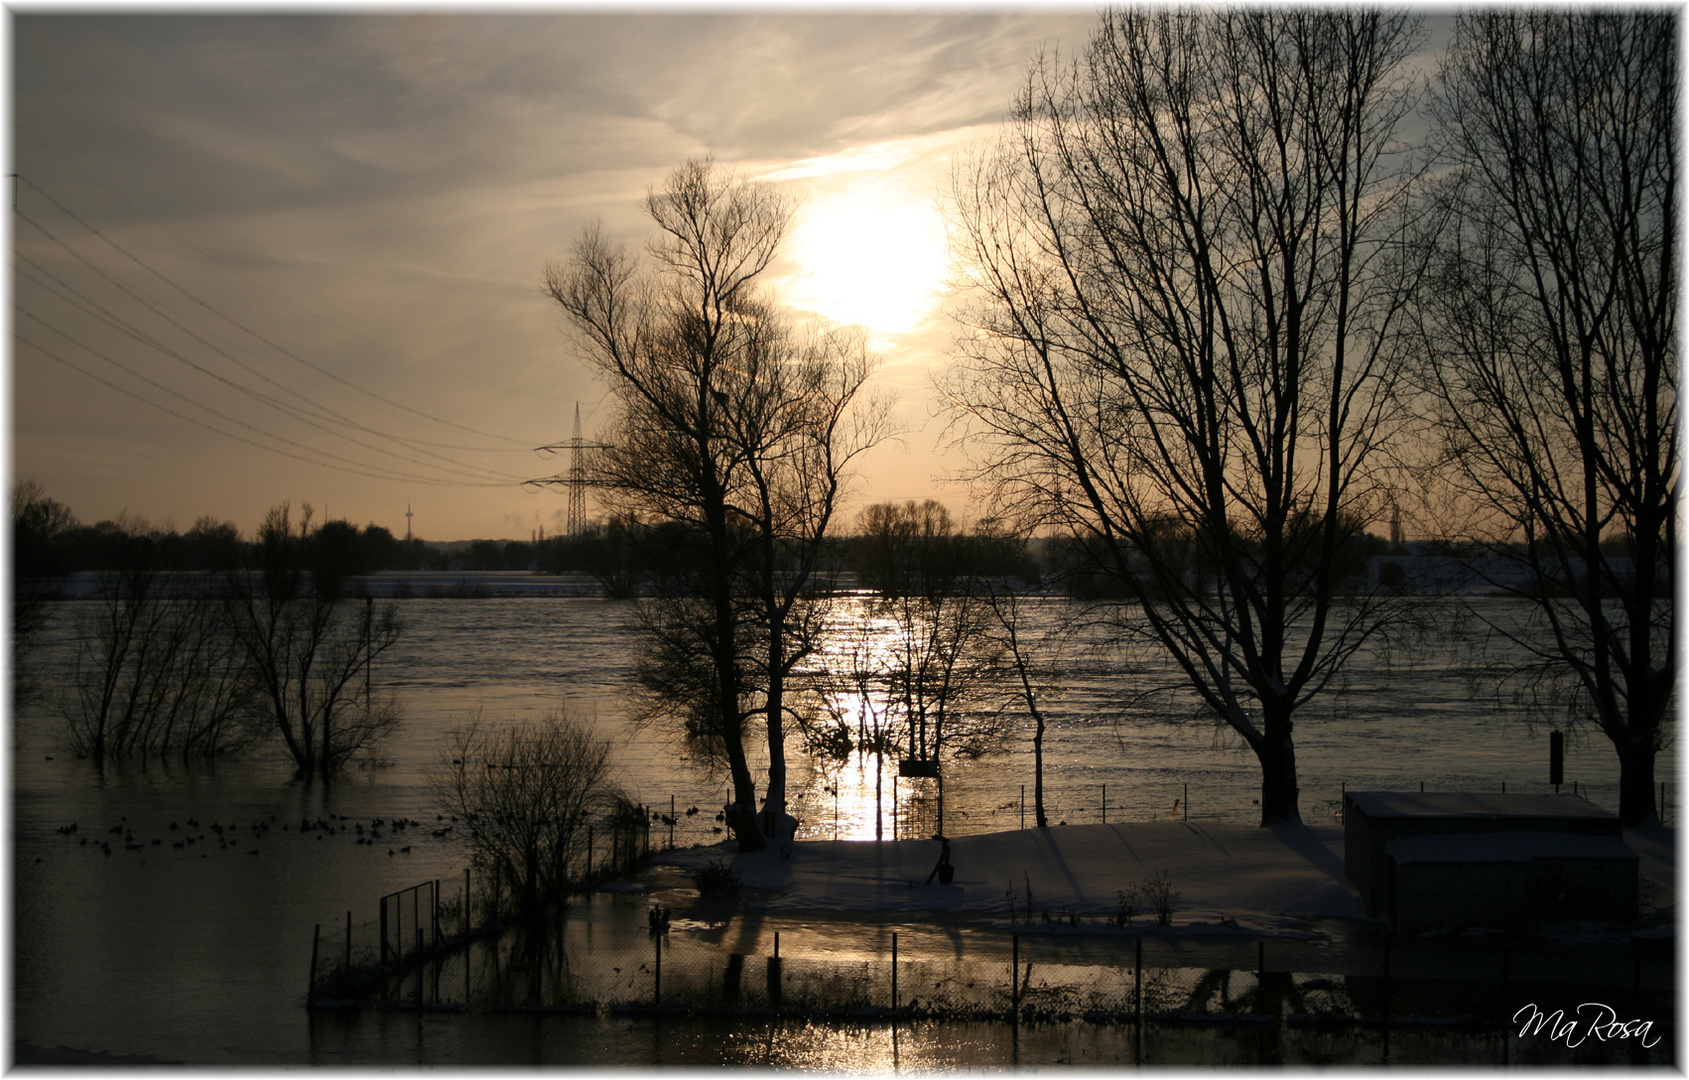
{"type": "Point", "coordinates": [350, 467]}
{"type": "Point", "coordinates": [184, 241]}
{"type": "Point", "coordinates": [99, 312]}
{"type": "Point", "coordinates": [243, 327]}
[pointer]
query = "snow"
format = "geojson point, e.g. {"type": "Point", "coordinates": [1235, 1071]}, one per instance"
{"type": "Point", "coordinates": [1230, 878]}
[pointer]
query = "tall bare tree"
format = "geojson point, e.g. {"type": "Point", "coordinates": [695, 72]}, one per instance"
{"type": "Point", "coordinates": [1185, 344]}
{"type": "Point", "coordinates": [1551, 318]}
{"type": "Point", "coordinates": [731, 421]}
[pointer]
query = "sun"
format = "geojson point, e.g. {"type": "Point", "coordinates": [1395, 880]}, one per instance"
{"type": "Point", "coordinates": [870, 250]}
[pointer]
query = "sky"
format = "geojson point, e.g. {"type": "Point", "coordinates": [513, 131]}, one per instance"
{"type": "Point", "coordinates": [298, 257]}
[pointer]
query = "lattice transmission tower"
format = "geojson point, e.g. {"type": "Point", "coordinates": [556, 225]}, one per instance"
{"type": "Point", "coordinates": [575, 479]}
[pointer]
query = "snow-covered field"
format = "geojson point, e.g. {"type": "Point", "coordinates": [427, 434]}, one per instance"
{"type": "Point", "coordinates": [1251, 879]}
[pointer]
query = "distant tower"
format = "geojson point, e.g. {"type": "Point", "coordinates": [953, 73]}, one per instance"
{"type": "Point", "coordinates": [577, 480]}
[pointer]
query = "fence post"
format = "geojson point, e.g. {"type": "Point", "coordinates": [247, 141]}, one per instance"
{"type": "Point", "coordinates": [1023, 806]}
{"type": "Point", "coordinates": [1138, 999]}
{"type": "Point", "coordinates": [1187, 803]}
{"type": "Point", "coordinates": [348, 941]}
{"type": "Point", "coordinates": [1105, 804]}
{"type": "Point", "coordinates": [436, 911]}
{"type": "Point", "coordinates": [671, 822]}
{"type": "Point", "coordinates": [894, 971]}
{"type": "Point", "coordinates": [774, 986]}
{"type": "Point", "coordinates": [466, 895]}
{"type": "Point", "coordinates": [1014, 979]}
{"type": "Point", "coordinates": [383, 951]}
{"type": "Point", "coordinates": [311, 983]}
{"type": "Point", "coordinates": [421, 964]}
{"type": "Point", "coordinates": [1386, 1000]}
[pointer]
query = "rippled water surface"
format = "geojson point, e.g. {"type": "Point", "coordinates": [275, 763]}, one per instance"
{"type": "Point", "coordinates": [200, 953]}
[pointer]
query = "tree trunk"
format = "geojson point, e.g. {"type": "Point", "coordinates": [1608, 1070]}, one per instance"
{"type": "Point", "coordinates": [1636, 783]}
{"type": "Point", "coordinates": [1279, 793]}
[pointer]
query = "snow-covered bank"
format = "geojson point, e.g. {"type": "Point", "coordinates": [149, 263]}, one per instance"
{"type": "Point", "coordinates": [1227, 876]}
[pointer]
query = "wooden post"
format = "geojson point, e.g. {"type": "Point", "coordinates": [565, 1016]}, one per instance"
{"type": "Point", "coordinates": [894, 971]}
{"type": "Point", "coordinates": [466, 901]}
{"type": "Point", "coordinates": [1105, 804]}
{"type": "Point", "coordinates": [383, 951]}
{"type": "Point", "coordinates": [311, 983]}
{"type": "Point", "coordinates": [671, 822]}
{"type": "Point", "coordinates": [1023, 806]}
{"type": "Point", "coordinates": [348, 941]}
{"type": "Point", "coordinates": [436, 911]}
{"type": "Point", "coordinates": [1187, 803]}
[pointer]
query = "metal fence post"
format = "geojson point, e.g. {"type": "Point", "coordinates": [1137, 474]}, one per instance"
{"type": "Point", "coordinates": [1014, 979]}
{"type": "Point", "coordinates": [1138, 999]}
{"type": "Point", "coordinates": [894, 971]}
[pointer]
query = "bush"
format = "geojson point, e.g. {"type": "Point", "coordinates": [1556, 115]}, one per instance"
{"type": "Point", "coordinates": [1162, 897]}
{"type": "Point", "coordinates": [717, 879]}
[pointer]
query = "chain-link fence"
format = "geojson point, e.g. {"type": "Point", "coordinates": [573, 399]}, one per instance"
{"type": "Point", "coordinates": [1475, 989]}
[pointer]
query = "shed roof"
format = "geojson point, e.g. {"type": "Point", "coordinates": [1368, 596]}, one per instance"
{"type": "Point", "coordinates": [1472, 804]}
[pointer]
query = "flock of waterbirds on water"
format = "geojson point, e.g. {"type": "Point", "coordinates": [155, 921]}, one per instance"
{"type": "Point", "coordinates": [234, 836]}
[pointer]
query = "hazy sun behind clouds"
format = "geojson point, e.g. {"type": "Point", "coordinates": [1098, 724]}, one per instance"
{"type": "Point", "coordinates": [868, 243]}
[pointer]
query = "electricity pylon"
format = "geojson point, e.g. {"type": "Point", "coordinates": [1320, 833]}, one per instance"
{"type": "Point", "coordinates": [575, 480]}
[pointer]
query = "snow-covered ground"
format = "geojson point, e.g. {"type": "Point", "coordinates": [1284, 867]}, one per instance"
{"type": "Point", "coordinates": [1254, 880]}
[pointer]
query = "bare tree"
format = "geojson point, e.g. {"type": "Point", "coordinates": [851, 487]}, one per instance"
{"type": "Point", "coordinates": [156, 669]}
{"type": "Point", "coordinates": [1185, 348]}
{"type": "Point", "coordinates": [1551, 321]}
{"type": "Point", "coordinates": [310, 656]}
{"type": "Point", "coordinates": [527, 793]}
{"type": "Point", "coordinates": [729, 421]}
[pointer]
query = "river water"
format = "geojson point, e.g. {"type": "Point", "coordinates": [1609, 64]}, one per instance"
{"type": "Point", "coordinates": [199, 953]}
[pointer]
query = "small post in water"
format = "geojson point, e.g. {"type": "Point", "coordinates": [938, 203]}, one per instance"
{"type": "Point", "coordinates": [311, 983]}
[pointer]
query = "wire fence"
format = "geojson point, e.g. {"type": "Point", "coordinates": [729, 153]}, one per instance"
{"type": "Point", "coordinates": [1476, 989]}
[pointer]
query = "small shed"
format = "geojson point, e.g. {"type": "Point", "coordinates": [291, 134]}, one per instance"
{"type": "Point", "coordinates": [1374, 819]}
{"type": "Point", "coordinates": [1509, 880]}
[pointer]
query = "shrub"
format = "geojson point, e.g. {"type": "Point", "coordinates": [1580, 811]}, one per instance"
{"type": "Point", "coordinates": [716, 879]}
{"type": "Point", "coordinates": [1129, 901]}
{"type": "Point", "coordinates": [1162, 897]}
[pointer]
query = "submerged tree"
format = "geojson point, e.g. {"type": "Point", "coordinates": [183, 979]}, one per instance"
{"type": "Point", "coordinates": [311, 655]}
{"type": "Point", "coordinates": [729, 421]}
{"type": "Point", "coordinates": [527, 794]}
{"type": "Point", "coordinates": [157, 670]}
{"type": "Point", "coordinates": [1551, 322]}
{"type": "Point", "coordinates": [1189, 291]}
